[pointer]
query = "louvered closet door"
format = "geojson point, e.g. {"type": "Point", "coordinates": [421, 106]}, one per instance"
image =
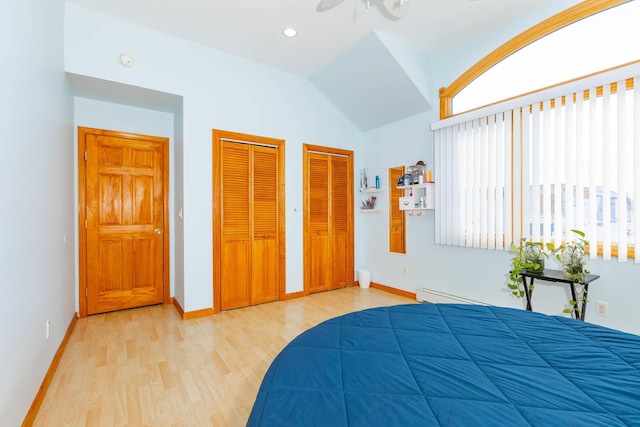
{"type": "Point", "coordinates": [236, 256]}
{"type": "Point", "coordinates": [264, 271]}
{"type": "Point", "coordinates": [319, 257]}
{"type": "Point", "coordinates": [397, 241]}
{"type": "Point", "coordinates": [339, 234]}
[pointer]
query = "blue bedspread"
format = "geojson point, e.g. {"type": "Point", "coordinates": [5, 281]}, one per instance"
{"type": "Point", "coordinates": [452, 365]}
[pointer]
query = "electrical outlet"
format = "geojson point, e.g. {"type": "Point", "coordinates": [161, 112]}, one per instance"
{"type": "Point", "coordinates": [405, 269]}
{"type": "Point", "coordinates": [602, 308]}
{"type": "Point", "coordinates": [48, 329]}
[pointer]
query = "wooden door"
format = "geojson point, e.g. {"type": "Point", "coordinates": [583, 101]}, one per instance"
{"type": "Point", "coordinates": [124, 234]}
{"type": "Point", "coordinates": [249, 254]}
{"type": "Point", "coordinates": [236, 226]}
{"type": "Point", "coordinates": [328, 218]}
{"type": "Point", "coordinates": [397, 233]}
{"type": "Point", "coordinates": [339, 219]}
{"type": "Point", "coordinates": [317, 215]}
{"type": "Point", "coordinates": [264, 202]}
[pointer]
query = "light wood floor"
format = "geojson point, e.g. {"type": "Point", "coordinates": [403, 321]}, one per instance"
{"type": "Point", "coordinates": [147, 367]}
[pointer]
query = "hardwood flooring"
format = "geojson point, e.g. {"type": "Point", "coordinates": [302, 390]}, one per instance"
{"type": "Point", "coordinates": [148, 367]}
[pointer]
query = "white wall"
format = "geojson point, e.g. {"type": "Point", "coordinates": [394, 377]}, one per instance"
{"type": "Point", "coordinates": [219, 91]}
{"type": "Point", "coordinates": [475, 273]}
{"type": "Point", "coordinates": [36, 196]}
{"type": "Point", "coordinates": [124, 118]}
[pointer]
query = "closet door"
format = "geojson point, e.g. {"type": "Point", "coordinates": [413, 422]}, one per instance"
{"type": "Point", "coordinates": [397, 233]}
{"type": "Point", "coordinates": [236, 258]}
{"type": "Point", "coordinates": [264, 246]}
{"type": "Point", "coordinates": [328, 218]}
{"type": "Point", "coordinates": [340, 233]}
{"type": "Point", "coordinates": [318, 250]}
{"type": "Point", "coordinates": [248, 220]}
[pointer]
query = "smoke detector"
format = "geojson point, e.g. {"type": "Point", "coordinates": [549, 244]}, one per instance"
{"type": "Point", "coordinates": [126, 60]}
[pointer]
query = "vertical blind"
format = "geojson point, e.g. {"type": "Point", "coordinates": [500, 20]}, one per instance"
{"type": "Point", "coordinates": [541, 165]}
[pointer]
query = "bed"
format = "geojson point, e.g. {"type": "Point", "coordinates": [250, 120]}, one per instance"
{"type": "Point", "coordinates": [452, 365]}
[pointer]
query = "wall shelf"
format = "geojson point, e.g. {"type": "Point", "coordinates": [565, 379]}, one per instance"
{"type": "Point", "coordinates": [418, 198]}
{"type": "Point", "coordinates": [406, 187]}
{"type": "Point", "coordinates": [371, 190]}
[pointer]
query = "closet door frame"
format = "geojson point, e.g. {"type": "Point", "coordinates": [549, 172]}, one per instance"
{"type": "Point", "coordinates": [307, 149]}
{"type": "Point", "coordinates": [221, 135]}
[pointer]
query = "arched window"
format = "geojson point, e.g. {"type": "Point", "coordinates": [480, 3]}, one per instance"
{"type": "Point", "coordinates": [554, 156]}
{"type": "Point", "coordinates": [587, 38]}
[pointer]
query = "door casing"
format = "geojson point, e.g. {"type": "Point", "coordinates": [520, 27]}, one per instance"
{"type": "Point", "coordinates": [307, 149]}
{"type": "Point", "coordinates": [217, 137]}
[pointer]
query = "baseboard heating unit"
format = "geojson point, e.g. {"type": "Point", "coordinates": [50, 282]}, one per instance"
{"type": "Point", "coordinates": [428, 295]}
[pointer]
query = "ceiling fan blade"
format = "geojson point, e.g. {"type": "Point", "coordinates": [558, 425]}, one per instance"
{"type": "Point", "coordinates": [325, 5]}
{"type": "Point", "coordinates": [394, 9]}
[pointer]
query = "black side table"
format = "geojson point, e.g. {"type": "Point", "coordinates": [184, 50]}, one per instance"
{"type": "Point", "coordinates": [558, 276]}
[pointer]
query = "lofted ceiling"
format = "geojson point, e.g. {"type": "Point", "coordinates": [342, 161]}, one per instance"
{"type": "Point", "coordinates": [335, 40]}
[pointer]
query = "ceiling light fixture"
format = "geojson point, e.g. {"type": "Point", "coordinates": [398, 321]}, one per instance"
{"type": "Point", "coordinates": [289, 32]}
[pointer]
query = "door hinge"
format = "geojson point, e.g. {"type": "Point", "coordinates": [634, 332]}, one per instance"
{"type": "Point", "coordinates": [86, 292]}
{"type": "Point", "coordinates": [85, 156]}
{"type": "Point", "coordinates": [86, 224]}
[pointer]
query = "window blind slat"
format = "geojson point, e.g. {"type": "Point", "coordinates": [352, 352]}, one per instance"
{"type": "Point", "coordinates": [636, 170]}
{"type": "Point", "coordinates": [455, 223]}
{"type": "Point", "coordinates": [499, 185]}
{"type": "Point", "coordinates": [485, 140]}
{"type": "Point", "coordinates": [491, 182]}
{"type": "Point", "coordinates": [570, 167]}
{"type": "Point", "coordinates": [606, 136]}
{"type": "Point", "coordinates": [621, 187]}
{"type": "Point", "coordinates": [534, 182]}
{"type": "Point", "coordinates": [511, 210]}
{"type": "Point", "coordinates": [472, 173]}
{"type": "Point", "coordinates": [451, 188]}
{"type": "Point", "coordinates": [556, 157]}
{"type": "Point", "coordinates": [591, 136]}
{"type": "Point", "coordinates": [546, 144]}
{"type": "Point", "coordinates": [581, 156]}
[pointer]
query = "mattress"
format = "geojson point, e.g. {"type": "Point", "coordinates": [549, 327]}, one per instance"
{"type": "Point", "coordinates": [452, 365]}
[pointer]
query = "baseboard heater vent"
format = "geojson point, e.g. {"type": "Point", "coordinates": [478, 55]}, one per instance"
{"type": "Point", "coordinates": [428, 295]}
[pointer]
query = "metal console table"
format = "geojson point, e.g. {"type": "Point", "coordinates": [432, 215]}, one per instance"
{"type": "Point", "coordinates": [558, 276]}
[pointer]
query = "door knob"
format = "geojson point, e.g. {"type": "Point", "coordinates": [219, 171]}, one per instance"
{"type": "Point", "coordinates": [157, 231]}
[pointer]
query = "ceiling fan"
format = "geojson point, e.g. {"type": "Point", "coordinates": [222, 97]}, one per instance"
{"type": "Point", "coordinates": [391, 9]}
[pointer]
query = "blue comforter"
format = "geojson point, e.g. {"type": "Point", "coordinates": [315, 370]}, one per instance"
{"type": "Point", "coordinates": [452, 365]}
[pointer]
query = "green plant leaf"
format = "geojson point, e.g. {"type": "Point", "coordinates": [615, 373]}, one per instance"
{"type": "Point", "coordinates": [579, 233]}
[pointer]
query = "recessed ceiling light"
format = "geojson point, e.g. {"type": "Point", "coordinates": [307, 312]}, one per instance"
{"type": "Point", "coordinates": [289, 32]}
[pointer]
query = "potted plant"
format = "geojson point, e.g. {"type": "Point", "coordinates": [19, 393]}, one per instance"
{"type": "Point", "coordinates": [573, 257]}
{"type": "Point", "coordinates": [528, 257]}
